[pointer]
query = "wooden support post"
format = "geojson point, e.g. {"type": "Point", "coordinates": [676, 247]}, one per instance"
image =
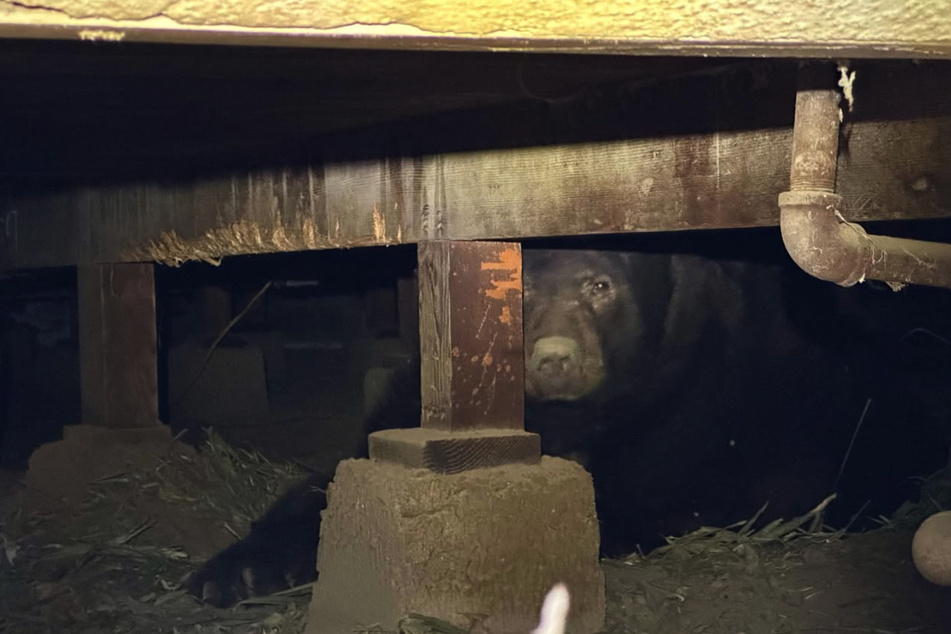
{"type": "Point", "coordinates": [472, 368]}
{"type": "Point", "coordinates": [117, 345]}
{"type": "Point", "coordinates": [470, 313]}
{"type": "Point", "coordinates": [470, 319]}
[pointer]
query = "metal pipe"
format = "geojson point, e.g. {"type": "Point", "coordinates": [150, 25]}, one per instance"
{"type": "Point", "coordinates": [818, 238]}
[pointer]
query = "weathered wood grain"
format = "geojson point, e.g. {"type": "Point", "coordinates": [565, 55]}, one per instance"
{"type": "Point", "coordinates": [118, 345]}
{"type": "Point", "coordinates": [434, 334]}
{"type": "Point", "coordinates": [707, 152]}
{"type": "Point", "coordinates": [454, 452]}
{"type": "Point", "coordinates": [485, 321]}
{"type": "Point", "coordinates": [470, 312]}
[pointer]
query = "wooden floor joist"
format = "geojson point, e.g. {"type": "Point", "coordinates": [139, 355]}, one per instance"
{"type": "Point", "coordinates": [710, 151]}
{"type": "Point", "coordinates": [118, 345]}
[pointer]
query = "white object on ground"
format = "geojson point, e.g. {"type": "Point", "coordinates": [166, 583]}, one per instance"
{"type": "Point", "coordinates": [554, 611]}
{"type": "Point", "coordinates": [931, 549]}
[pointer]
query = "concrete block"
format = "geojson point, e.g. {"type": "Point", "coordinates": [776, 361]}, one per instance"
{"type": "Point", "coordinates": [484, 545]}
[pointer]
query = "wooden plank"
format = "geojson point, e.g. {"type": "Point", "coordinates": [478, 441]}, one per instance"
{"type": "Point", "coordinates": [619, 161]}
{"type": "Point", "coordinates": [434, 334]}
{"type": "Point", "coordinates": [485, 322]}
{"type": "Point", "coordinates": [454, 452]}
{"type": "Point", "coordinates": [471, 358]}
{"type": "Point", "coordinates": [118, 345]}
{"type": "Point", "coordinates": [844, 28]}
{"type": "Point", "coordinates": [47, 230]}
{"type": "Point", "coordinates": [622, 186]}
{"type": "Point", "coordinates": [470, 313]}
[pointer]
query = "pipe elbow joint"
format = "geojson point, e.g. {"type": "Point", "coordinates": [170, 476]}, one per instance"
{"type": "Point", "coordinates": [820, 241]}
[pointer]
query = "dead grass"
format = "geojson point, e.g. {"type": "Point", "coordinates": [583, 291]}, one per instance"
{"type": "Point", "coordinates": [738, 538]}
{"type": "Point", "coordinates": [112, 566]}
{"type": "Point", "coordinates": [239, 483]}
{"type": "Point", "coordinates": [108, 563]}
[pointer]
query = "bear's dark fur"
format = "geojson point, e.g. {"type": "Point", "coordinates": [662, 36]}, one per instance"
{"type": "Point", "coordinates": [680, 382]}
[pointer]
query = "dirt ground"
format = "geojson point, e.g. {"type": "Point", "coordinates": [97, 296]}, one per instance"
{"type": "Point", "coordinates": [98, 534]}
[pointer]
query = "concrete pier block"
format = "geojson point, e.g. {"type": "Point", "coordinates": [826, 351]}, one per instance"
{"type": "Point", "coordinates": [484, 545]}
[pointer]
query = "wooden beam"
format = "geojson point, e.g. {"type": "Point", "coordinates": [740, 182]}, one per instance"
{"type": "Point", "coordinates": [471, 362]}
{"type": "Point", "coordinates": [843, 28]}
{"type": "Point", "coordinates": [118, 345]}
{"type": "Point", "coordinates": [650, 160]}
{"type": "Point", "coordinates": [454, 452]}
{"type": "Point", "coordinates": [470, 321]}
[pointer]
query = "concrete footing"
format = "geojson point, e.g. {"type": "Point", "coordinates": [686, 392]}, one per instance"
{"type": "Point", "coordinates": [477, 549]}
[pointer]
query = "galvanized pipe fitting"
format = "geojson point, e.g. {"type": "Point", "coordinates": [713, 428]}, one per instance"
{"type": "Point", "coordinates": [818, 238]}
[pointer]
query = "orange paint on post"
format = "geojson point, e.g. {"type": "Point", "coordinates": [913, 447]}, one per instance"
{"type": "Point", "coordinates": [510, 262]}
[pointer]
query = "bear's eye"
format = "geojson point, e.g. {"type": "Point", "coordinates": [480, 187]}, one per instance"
{"type": "Point", "coordinates": [600, 286]}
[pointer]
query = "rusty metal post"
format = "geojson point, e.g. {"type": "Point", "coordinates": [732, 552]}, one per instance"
{"type": "Point", "coordinates": [817, 236]}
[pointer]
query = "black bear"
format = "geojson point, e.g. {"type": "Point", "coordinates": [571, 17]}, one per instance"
{"type": "Point", "coordinates": [676, 380]}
